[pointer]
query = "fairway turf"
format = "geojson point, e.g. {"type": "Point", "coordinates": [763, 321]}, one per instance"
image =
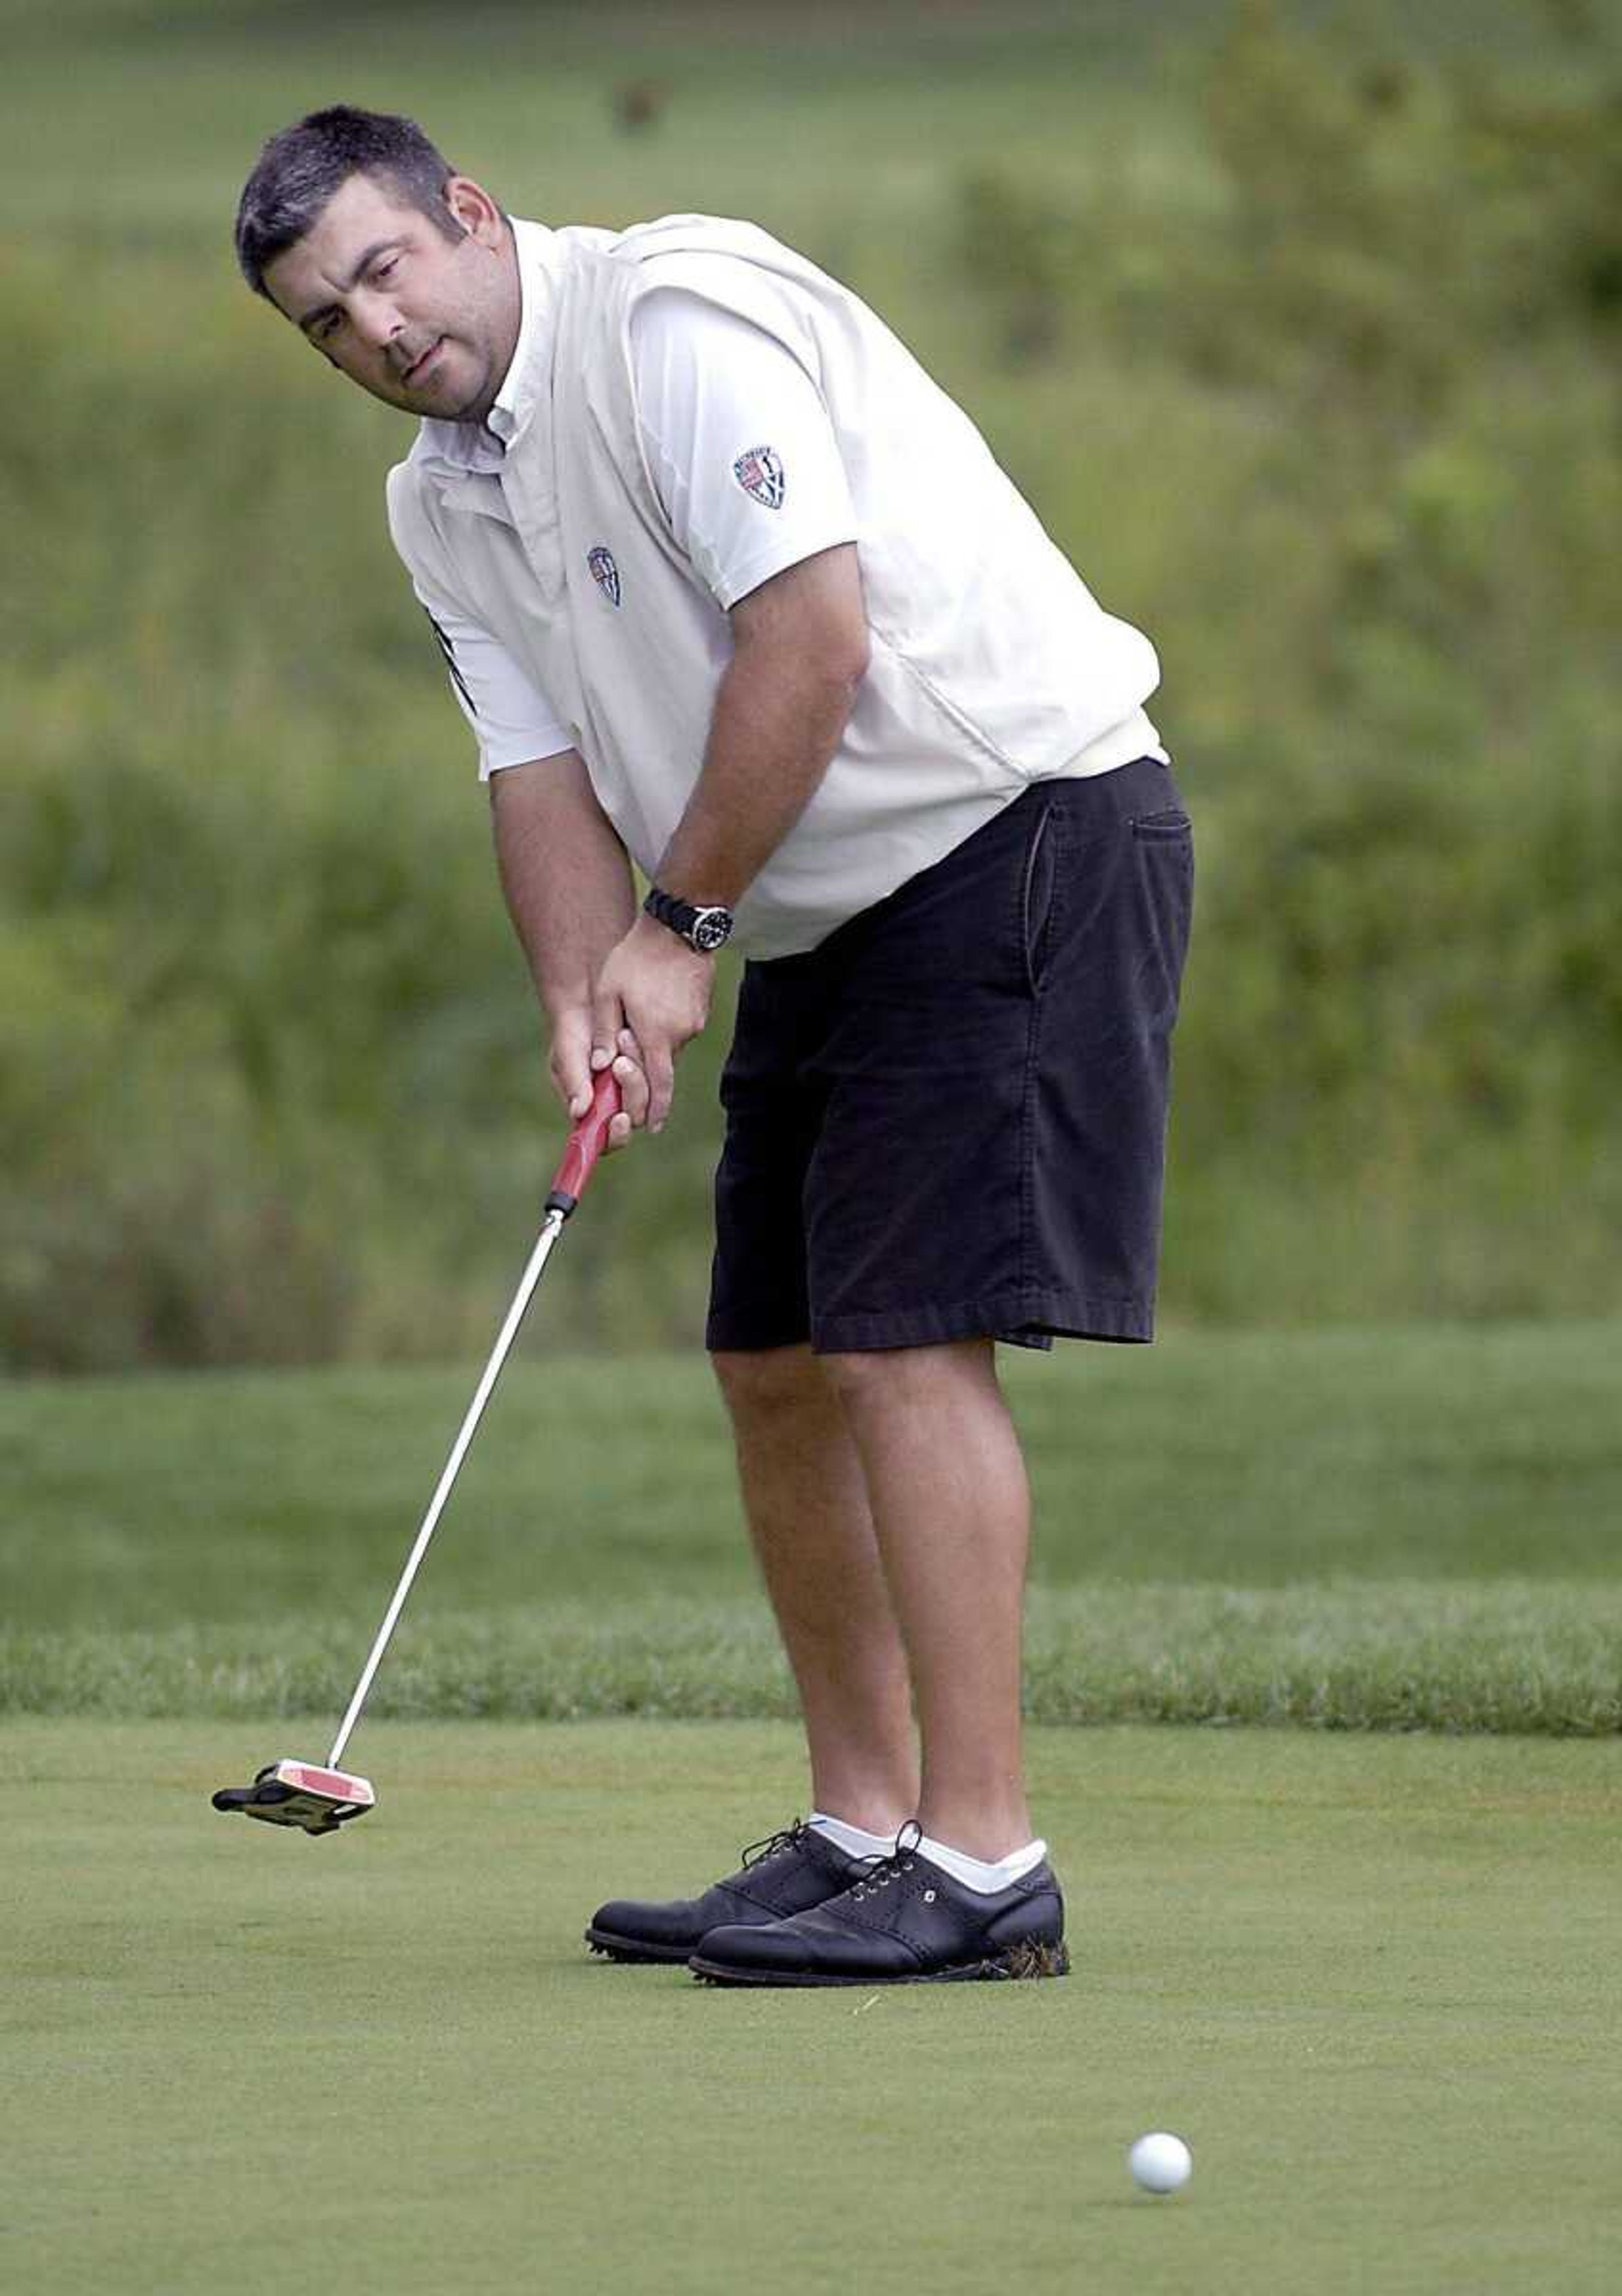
{"type": "Point", "coordinates": [1357, 1529]}
{"type": "Point", "coordinates": [1453, 1452]}
{"type": "Point", "coordinates": [1370, 1979]}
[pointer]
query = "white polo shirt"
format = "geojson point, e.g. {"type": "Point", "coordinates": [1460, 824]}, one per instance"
{"type": "Point", "coordinates": [706, 383]}
{"type": "Point", "coordinates": [691, 408]}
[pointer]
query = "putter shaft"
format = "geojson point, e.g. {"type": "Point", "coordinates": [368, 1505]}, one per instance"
{"type": "Point", "coordinates": [552, 1227]}
{"type": "Point", "coordinates": [585, 1144]}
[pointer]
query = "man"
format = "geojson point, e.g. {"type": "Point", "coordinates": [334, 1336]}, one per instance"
{"type": "Point", "coordinates": [729, 590]}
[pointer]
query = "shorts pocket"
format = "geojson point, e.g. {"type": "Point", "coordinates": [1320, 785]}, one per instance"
{"type": "Point", "coordinates": [1037, 900]}
{"type": "Point", "coordinates": [1165, 875]}
{"type": "Point", "coordinates": [1167, 826]}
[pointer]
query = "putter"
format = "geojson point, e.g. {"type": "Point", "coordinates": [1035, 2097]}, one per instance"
{"type": "Point", "coordinates": [318, 1797]}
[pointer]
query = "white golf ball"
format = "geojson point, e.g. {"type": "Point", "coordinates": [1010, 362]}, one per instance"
{"type": "Point", "coordinates": [1160, 2162]}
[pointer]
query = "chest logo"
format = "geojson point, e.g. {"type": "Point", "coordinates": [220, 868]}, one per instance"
{"type": "Point", "coordinates": [760, 474]}
{"type": "Point", "coordinates": [604, 573]}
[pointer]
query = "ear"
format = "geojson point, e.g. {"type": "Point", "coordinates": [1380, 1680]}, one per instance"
{"type": "Point", "coordinates": [476, 211]}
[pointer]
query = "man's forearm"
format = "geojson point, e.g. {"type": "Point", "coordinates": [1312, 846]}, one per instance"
{"type": "Point", "coordinates": [800, 651]}
{"type": "Point", "coordinates": [564, 875]}
{"type": "Point", "coordinates": [773, 731]}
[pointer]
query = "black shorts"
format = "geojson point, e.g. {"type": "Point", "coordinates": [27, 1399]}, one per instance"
{"type": "Point", "coordinates": [948, 1121]}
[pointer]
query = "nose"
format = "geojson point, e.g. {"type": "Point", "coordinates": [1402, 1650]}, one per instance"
{"type": "Point", "coordinates": [374, 319]}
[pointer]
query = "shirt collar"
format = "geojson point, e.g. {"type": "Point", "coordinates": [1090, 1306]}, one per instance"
{"type": "Point", "coordinates": [502, 418]}
{"type": "Point", "coordinates": [483, 445]}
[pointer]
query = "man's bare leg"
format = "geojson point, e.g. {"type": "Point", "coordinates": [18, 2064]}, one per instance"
{"type": "Point", "coordinates": [951, 1508]}
{"type": "Point", "coordinates": [806, 1506]}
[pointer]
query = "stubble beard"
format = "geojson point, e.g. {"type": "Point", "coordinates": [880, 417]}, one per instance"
{"type": "Point", "coordinates": [473, 406]}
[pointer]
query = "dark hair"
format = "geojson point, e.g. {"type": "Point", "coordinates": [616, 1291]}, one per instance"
{"type": "Point", "coordinates": [301, 168]}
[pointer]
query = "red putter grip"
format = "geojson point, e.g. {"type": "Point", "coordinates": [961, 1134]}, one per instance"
{"type": "Point", "coordinates": [585, 1144]}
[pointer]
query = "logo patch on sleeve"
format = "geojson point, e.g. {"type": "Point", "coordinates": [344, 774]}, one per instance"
{"type": "Point", "coordinates": [604, 573]}
{"type": "Point", "coordinates": [760, 474]}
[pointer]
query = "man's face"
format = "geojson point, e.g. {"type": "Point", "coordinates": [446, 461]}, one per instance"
{"type": "Point", "coordinates": [423, 323]}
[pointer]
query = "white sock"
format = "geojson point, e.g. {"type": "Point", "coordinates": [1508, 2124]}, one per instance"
{"type": "Point", "coordinates": [987, 1875]}
{"type": "Point", "coordinates": [855, 1841]}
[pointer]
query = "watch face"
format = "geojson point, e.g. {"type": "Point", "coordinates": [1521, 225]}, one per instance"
{"type": "Point", "coordinates": [711, 929]}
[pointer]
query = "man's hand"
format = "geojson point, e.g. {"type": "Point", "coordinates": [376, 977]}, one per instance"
{"type": "Point", "coordinates": [657, 988]}
{"type": "Point", "coordinates": [568, 890]}
{"type": "Point", "coordinates": [572, 1072]}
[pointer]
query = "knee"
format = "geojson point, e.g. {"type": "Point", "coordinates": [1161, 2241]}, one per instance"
{"type": "Point", "coordinates": [768, 1379]}
{"type": "Point", "coordinates": [888, 1378]}
{"type": "Point", "coordinates": [855, 1379]}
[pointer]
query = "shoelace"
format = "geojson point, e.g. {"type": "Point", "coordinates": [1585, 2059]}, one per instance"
{"type": "Point", "coordinates": [877, 1872]}
{"type": "Point", "coordinates": [790, 1838]}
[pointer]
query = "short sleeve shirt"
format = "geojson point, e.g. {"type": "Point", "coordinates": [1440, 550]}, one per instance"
{"type": "Point", "coordinates": [711, 390]}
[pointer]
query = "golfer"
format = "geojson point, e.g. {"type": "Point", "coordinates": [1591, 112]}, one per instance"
{"type": "Point", "coordinates": [729, 590]}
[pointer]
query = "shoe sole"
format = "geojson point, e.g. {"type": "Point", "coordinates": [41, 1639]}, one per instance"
{"type": "Point", "coordinates": [624, 1948]}
{"type": "Point", "coordinates": [1020, 1962]}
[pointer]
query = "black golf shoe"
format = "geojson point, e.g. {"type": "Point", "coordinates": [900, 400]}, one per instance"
{"type": "Point", "coordinates": [902, 1922]}
{"type": "Point", "coordinates": [786, 1874]}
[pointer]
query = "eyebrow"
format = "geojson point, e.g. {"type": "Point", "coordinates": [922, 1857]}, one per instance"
{"type": "Point", "coordinates": [364, 265]}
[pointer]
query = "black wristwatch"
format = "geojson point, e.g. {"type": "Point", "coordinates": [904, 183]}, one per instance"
{"type": "Point", "coordinates": [705, 929]}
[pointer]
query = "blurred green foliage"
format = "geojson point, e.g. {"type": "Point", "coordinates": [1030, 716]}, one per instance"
{"type": "Point", "coordinates": [1305, 346]}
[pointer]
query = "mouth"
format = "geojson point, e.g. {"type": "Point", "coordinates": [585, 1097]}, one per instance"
{"type": "Point", "coordinates": [419, 367]}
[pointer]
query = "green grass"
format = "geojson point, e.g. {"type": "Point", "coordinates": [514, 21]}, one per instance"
{"type": "Point", "coordinates": [759, 104]}
{"type": "Point", "coordinates": [1396, 1528]}
{"type": "Point", "coordinates": [1370, 1981]}
{"type": "Point", "coordinates": [1389, 1654]}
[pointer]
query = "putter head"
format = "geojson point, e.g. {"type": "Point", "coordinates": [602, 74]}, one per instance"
{"type": "Point", "coordinates": [302, 1794]}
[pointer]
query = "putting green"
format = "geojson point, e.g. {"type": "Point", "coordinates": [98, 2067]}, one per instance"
{"type": "Point", "coordinates": [1371, 1980]}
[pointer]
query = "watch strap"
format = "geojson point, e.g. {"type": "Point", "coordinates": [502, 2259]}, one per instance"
{"type": "Point", "coordinates": [686, 918]}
